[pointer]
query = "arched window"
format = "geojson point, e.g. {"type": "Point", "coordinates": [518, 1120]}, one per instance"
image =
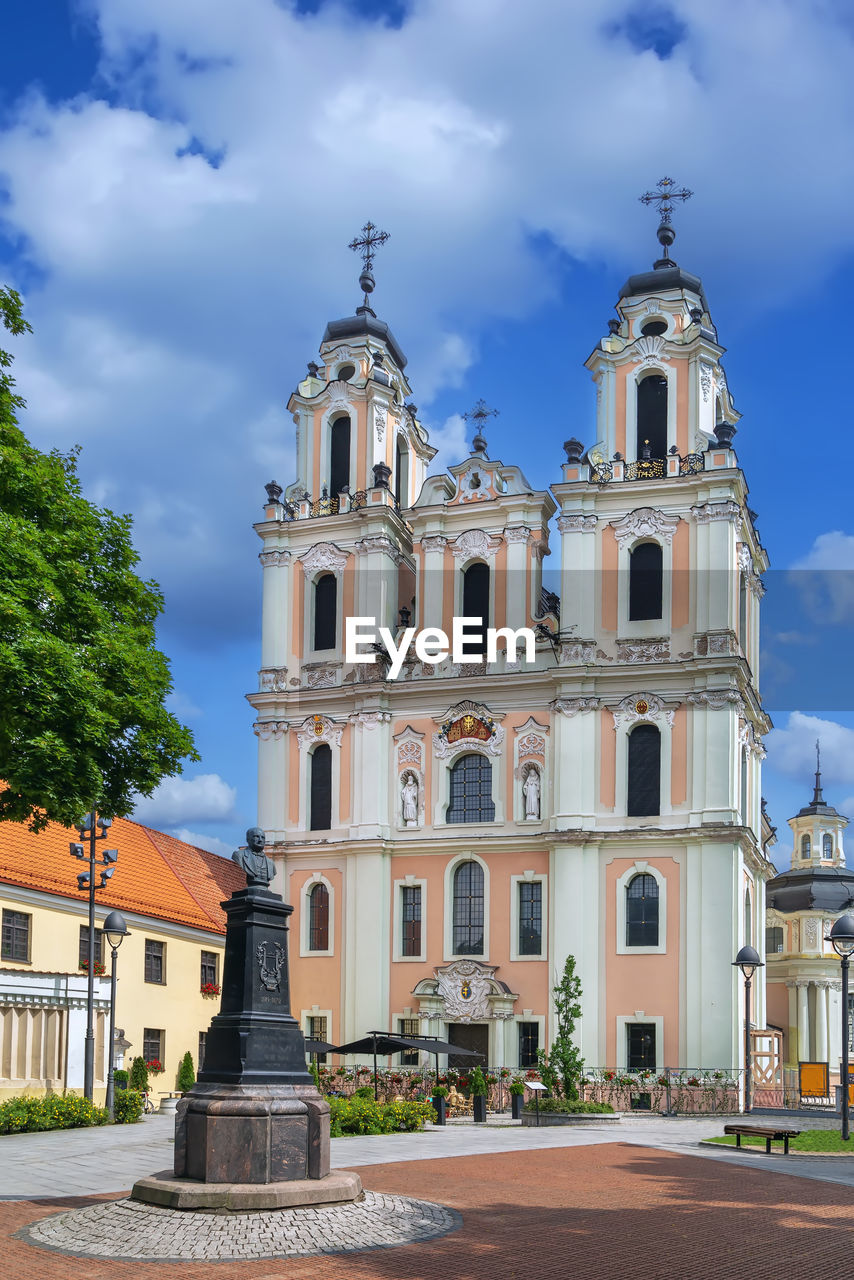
{"type": "Point", "coordinates": [471, 790]}
{"type": "Point", "coordinates": [468, 909]}
{"type": "Point", "coordinates": [401, 473]}
{"type": "Point", "coordinates": [325, 610]}
{"type": "Point", "coordinates": [320, 764]}
{"type": "Point", "coordinates": [476, 604]}
{"type": "Point", "coordinates": [642, 912]}
{"type": "Point", "coordinates": [339, 456]}
{"type": "Point", "coordinates": [652, 416]}
{"type": "Point", "coordinates": [644, 770]}
{"type": "Point", "coordinates": [318, 918]}
{"type": "Point", "coordinates": [748, 919]}
{"type": "Point", "coordinates": [806, 846]}
{"type": "Point", "coordinates": [827, 845]}
{"type": "Point", "coordinates": [646, 575]}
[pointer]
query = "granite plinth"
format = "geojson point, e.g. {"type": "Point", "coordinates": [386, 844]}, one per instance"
{"type": "Point", "coordinates": [252, 1134]}
{"type": "Point", "coordinates": [234, 1197]}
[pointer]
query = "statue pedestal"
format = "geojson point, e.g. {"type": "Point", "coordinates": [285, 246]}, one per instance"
{"type": "Point", "coordinates": [253, 1132]}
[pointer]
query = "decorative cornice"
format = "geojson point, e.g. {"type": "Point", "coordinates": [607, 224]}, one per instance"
{"type": "Point", "coordinates": [272, 680]}
{"type": "Point", "coordinates": [274, 558]}
{"type": "Point", "coordinates": [570, 707]}
{"type": "Point", "coordinates": [434, 542]}
{"type": "Point", "coordinates": [370, 719]}
{"type": "Point", "coordinates": [706, 512]}
{"type": "Point", "coordinates": [715, 699]}
{"type": "Point", "coordinates": [267, 729]}
{"type": "Point", "coordinates": [323, 555]}
{"type": "Point", "coordinates": [517, 533]}
{"type": "Point", "coordinates": [381, 542]}
{"type": "Point", "coordinates": [643, 650]}
{"type": "Point", "coordinates": [577, 524]}
{"type": "Point", "coordinates": [644, 522]}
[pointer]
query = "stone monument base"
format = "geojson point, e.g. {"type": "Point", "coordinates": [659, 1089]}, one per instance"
{"type": "Point", "coordinates": [235, 1197]}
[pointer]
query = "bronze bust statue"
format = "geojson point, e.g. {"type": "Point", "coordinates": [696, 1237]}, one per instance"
{"type": "Point", "coordinates": [253, 860]}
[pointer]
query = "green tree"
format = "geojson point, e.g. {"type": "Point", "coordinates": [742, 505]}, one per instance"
{"type": "Point", "coordinates": [82, 684]}
{"type": "Point", "coordinates": [139, 1074]}
{"type": "Point", "coordinates": [186, 1073]}
{"type": "Point", "coordinates": [563, 1061]}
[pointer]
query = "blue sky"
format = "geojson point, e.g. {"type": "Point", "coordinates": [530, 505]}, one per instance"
{"type": "Point", "coordinates": [178, 184]}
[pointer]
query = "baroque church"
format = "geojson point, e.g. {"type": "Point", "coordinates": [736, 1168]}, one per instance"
{"type": "Point", "coordinates": [450, 836]}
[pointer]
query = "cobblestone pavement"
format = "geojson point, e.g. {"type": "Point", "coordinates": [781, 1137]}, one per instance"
{"type": "Point", "coordinates": [126, 1229]}
{"type": "Point", "coordinates": [592, 1212]}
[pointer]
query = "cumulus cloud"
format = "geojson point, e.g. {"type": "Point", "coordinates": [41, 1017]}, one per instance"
{"type": "Point", "coordinates": [791, 750]}
{"type": "Point", "coordinates": [201, 841]}
{"type": "Point", "coordinates": [205, 798]}
{"type": "Point", "coordinates": [182, 237]}
{"type": "Point", "coordinates": [824, 578]}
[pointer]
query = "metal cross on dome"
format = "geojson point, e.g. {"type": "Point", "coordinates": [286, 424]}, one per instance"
{"type": "Point", "coordinates": [665, 195]}
{"type": "Point", "coordinates": [479, 415]}
{"type": "Point", "coordinates": [368, 242]}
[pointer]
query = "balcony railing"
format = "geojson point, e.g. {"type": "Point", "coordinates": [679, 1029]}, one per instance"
{"type": "Point", "coordinates": [690, 464]}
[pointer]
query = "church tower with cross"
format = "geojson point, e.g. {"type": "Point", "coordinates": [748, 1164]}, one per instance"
{"type": "Point", "coordinates": [449, 834]}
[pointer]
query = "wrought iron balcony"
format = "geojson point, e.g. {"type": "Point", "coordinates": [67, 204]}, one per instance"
{"type": "Point", "coordinates": [647, 467]}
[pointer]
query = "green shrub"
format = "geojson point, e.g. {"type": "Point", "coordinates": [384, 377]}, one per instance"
{"type": "Point", "coordinates": [120, 1077]}
{"type": "Point", "coordinates": [138, 1075]}
{"type": "Point", "coordinates": [517, 1088]}
{"type": "Point", "coordinates": [571, 1106]}
{"type": "Point", "coordinates": [477, 1084]}
{"type": "Point", "coordinates": [364, 1091]}
{"type": "Point", "coordinates": [186, 1074]}
{"type": "Point", "coordinates": [29, 1115]}
{"type": "Point", "coordinates": [363, 1115]}
{"type": "Point", "coordinates": [440, 1091]}
{"type": "Point", "coordinates": [127, 1106]}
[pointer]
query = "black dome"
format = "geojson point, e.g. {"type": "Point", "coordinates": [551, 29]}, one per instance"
{"type": "Point", "coordinates": [664, 276]}
{"type": "Point", "coordinates": [829, 889]}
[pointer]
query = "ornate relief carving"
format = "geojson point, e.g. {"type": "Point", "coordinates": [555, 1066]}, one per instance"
{"type": "Point", "coordinates": [531, 745]}
{"type": "Point", "coordinates": [650, 351]}
{"type": "Point", "coordinates": [705, 380]}
{"type": "Point", "coordinates": [381, 542]}
{"type": "Point", "coordinates": [474, 542]}
{"type": "Point", "coordinates": [714, 643]}
{"type": "Point", "coordinates": [273, 680]}
{"type": "Point", "coordinates": [274, 558]}
{"type": "Point", "coordinates": [319, 729]}
{"type": "Point", "coordinates": [644, 522]}
{"type": "Point", "coordinates": [582, 651]}
{"type": "Point", "coordinates": [574, 706]}
{"type": "Point", "coordinates": [379, 421]}
{"type": "Point", "coordinates": [370, 719]}
{"type": "Point", "coordinates": [715, 699]}
{"type": "Point", "coordinates": [643, 650]}
{"type": "Point", "coordinates": [517, 533]}
{"type": "Point", "coordinates": [267, 729]}
{"type": "Point", "coordinates": [796, 946]}
{"type": "Point", "coordinates": [577, 524]}
{"type": "Point", "coordinates": [409, 753]}
{"type": "Point", "coordinates": [706, 512]}
{"type": "Point", "coordinates": [434, 542]}
{"type": "Point", "coordinates": [322, 676]}
{"type": "Point", "coordinates": [467, 725]}
{"type": "Point", "coordinates": [744, 557]}
{"type": "Point", "coordinates": [642, 706]}
{"type": "Point", "coordinates": [810, 934]}
{"type": "Point", "coordinates": [322, 556]}
{"type": "Point", "coordinates": [465, 987]}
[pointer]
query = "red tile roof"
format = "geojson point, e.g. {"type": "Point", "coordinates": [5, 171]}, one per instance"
{"type": "Point", "coordinates": [156, 875]}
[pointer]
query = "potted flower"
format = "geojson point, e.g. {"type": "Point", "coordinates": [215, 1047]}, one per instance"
{"type": "Point", "coordinates": [99, 969]}
{"type": "Point", "coordinates": [477, 1084]}
{"type": "Point", "coordinates": [154, 1067]}
{"type": "Point", "coordinates": [210, 988]}
{"type": "Point", "coordinates": [440, 1106]}
{"type": "Point", "coordinates": [517, 1098]}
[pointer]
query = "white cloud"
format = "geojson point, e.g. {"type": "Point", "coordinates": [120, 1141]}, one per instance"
{"type": "Point", "coordinates": [211, 843]}
{"type": "Point", "coordinates": [205, 798]}
{"type": "Point", "coordinates": [824, 578]}
{"type": "Point", "coordinates": [791, 751]}
{"type": "Point", "coordinates": [829, 551]}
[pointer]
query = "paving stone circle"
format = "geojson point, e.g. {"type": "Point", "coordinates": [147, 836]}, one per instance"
{"type": "Point", "coordinates": [125, 1229]}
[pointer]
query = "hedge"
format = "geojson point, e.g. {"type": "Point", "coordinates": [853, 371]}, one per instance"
{"type": "Point", "coordinates": [567, 1106]}
{"type": "Point", "coordinates": [28, 1115]}
{"type": "Point", "coordinates": [363, 1115]}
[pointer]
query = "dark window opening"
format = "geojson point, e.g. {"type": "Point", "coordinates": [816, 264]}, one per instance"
{"type": "Point", "coordinates": [654, 328]}
{"type": "Point", "coordinates": [468, 909]}
{"type": "Point", "coordinates": [742, 613]}
{"type": "Point", "coordinates": [155, 961]}
{"type": "Point", "coordinates": [317, 1030]}
{"type": "Point", "coordinates": [83, 947]}
{"type": "Point", "coordinates": [152, 1045]}
{"type": "Point", "coordinates": [642, 912]}
{"type": "Point", "coordinates": [652, 416]}
{"type": "Point", "coordinates": [411, 1028]}
{"type": "Point", "coordinates": [640, 1046]}
{"type": "Point", "coordinates": [209, 968]}
{"type": "Point", "coordinates": [471, 790]}
{"type": "Point", "coordinates": [325, 611]}
{"type": "Point", "coordinates": [773, 940]}
{"type": "Point", "coordinates": [644, 770]}
{"type": "Point", "coordinates": [320, 817]}
{"type": "Point", "coordinates": [339, 456]}
{"type": "Point", "coordinates": [530, 917]}
{"type": "Point", "coordinates": [318, 921]}
{"type": "Point", "coordinates": [529, 1043]}
{"type": "Point", "coordinates": [646, 578]}
{"type": "Point", "coordinates": [806, 846]}
{"type": "Point", "coordinates": [346, 372]}
{"type": "Point", "coordinates": [16, 936]}
{"type": "Point", "coordinates": [411, 914]}
{"type": "Point", "coordinates": [476, 605]}
{"type": "Point", "coordinates": [748, 920]}
{"type": "Point", "coordinates": [401, 475]}
{"type": "Point", "coordinates": [827, 846]}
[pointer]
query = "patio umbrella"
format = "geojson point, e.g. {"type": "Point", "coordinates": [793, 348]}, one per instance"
{"type": "Point", "coordinates": [382, 1042]}
{"type": "Point", "coordinates": [319, 1046]}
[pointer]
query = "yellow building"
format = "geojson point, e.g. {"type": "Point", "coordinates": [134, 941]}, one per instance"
{"type": "Point", "coordinates": [169, 894]}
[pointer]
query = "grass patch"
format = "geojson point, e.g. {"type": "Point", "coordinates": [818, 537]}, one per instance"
{"type": "Point", "coordinates": [808, 1140]}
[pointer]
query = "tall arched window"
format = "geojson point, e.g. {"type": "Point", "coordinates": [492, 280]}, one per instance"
{"type": "Point", "coordinates": [325, 611]}
{"type": "Point", "coordinates": [652, 416]}
{"type": "Point", "coordinates": [806, 846]}
{"type": "Point", "coordinates": [320, 765]}
{"type": "Point", "coordinates": [646, 577]}
{"type": "Point", "coordinates": [748, 919]}
{"type": "Point", "coordinates": [468, 909]}
{"type": "Point", "coordinates": [642, 912]}
{"type": "Point", "coordinates": [401, 473]}
{"type": "Point", "coordinates": [318, 918]}
{"type": "Point", "coordinates": [644, 770]}
{"type": "Point", "coordinates": [339, 456]}
{"type": "Point", "coordinates": [476, 604]}
{"type": "Point", "coordinates": [827, 845]}
{"type": "Point", "coordinates": [471, 790]}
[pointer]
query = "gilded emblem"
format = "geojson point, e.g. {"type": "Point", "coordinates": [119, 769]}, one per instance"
{"type": "Point", "coordinates": [642, 707]}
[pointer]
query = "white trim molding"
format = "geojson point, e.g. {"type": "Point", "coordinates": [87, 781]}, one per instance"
{"type": "Point", "coordinates": [623, 1021]}
{"type": "Point", "coordinates": [408, 882]}
{"type": "Point", "coordinates": [448, 913]}
{"type": "Point", "coordinates": [640, 868]}
{"type": "Point", "coordinates": [529, 877]}
{"type": "Point", "coordinates": [317, 877]}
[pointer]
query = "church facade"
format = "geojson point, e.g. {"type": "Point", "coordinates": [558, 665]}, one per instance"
{"type": "Point", "coordinates": [449, 836]}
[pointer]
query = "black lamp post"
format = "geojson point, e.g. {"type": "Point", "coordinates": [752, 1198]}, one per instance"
{"type": "Point", "coordinates": [842, 937]}
{"type": "Point", "coordinates": [115, 931]}
{"type": "Point", "coordinates": [748, 961]}
{"type": "Point", "coordinates": [86, 880]}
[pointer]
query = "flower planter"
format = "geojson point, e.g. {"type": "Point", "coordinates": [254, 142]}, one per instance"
{"type": "Point", "coordinates": [479, 1109]}
{"type": "Point", "coordinates": [549, 1119]}
{"type": "Point", "coordinates": [440, 1106]}
{"type": "Point", "coordinates": [517, 1102]}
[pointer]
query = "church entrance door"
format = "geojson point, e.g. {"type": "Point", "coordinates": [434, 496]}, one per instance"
{"type": "Point", "coordinates": [469, 1035]}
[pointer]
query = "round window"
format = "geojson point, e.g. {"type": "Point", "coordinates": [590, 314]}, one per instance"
{"type": "Point", "coordinates": [346, 372]}
{"type": "Point", "coordinates": [654, 328]}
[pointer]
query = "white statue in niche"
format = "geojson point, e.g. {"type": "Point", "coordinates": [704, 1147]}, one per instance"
{"type": "Point", "coordinates": [531, 792]}
{"type": "Point", "coordinates": [409, 798]}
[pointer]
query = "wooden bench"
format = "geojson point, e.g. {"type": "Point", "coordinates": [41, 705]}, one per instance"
{"type": "Point", "coordinates": [762, 1131]}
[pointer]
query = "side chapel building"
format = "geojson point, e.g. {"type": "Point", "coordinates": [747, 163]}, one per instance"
{"type": "Point", "coordinates": [449, 837]}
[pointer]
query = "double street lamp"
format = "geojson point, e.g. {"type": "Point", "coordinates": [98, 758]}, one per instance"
{"type": "Point", "coordinates": [86, 880]}
{"type": "Point", "coordinates": [115, 931]}
{"type": "Point", "coordinates": [748, 961]}
{"type": "Point", "coordinates": [842, 938]}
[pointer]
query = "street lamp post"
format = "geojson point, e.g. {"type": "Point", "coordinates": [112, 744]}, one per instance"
{"type": "Point", "coordinates": [748, 961]}
{"type": "Point", "coordinates": [115, 931]}
{"type": "Point", "coordinates": [842, 938]}
{"type": "Point", "coordinates": [86, 880]}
